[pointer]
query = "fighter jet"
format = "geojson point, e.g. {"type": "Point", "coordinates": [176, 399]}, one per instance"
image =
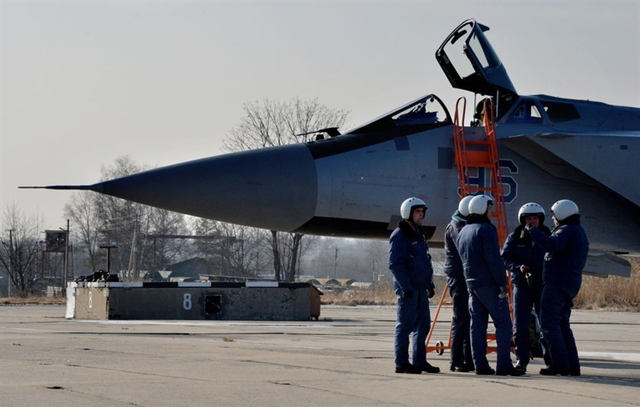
{"type": "Point", "coordinates": [352, 184]}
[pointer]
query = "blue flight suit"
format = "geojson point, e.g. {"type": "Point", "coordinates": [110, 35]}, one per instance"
{"type": "Point", "coordinates": [519, 249]}
{"type": "Point", "coordinates": [566, 256]}
{"type": "Point", "coordinates": [460, 321]}
{"type": "Point", "coordinates": [485, 274]}
{"type": "Point", "coordinates": [410, 264]}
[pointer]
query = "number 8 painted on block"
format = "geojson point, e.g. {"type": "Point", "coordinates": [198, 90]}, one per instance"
{"type": "Point", "coordinates": [186, 303]}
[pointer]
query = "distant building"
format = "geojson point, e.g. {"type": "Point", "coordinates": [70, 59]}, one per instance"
{"type": "Point", "coordinates": [191, 268]}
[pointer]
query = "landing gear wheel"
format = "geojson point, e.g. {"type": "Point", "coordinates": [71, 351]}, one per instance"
{"type": "Point", "coordinates": [439, 347]}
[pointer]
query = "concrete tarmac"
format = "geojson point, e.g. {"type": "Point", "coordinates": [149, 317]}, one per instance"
{"type": "Point", "coordinates": [344, 359]}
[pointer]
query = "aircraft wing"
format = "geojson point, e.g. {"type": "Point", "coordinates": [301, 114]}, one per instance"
{"type": "Point", "coordinates": [631, 134]}
{"type": "Point", "coordinates": [602, 264]}
{"type": "Point", "coordinates": [610, 158]}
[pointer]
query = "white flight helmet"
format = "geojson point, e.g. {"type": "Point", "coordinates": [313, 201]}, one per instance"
{"type": "Point", "coordinates": [479, 204]}
{"type": "Point", "coordinates": [463, 206]}
{"type": "Point", "coordinates": [530, 209]}
{"type": "Point", "coordinates": [407, 207]}
{"type": "Point", "coordinates": [563, 209]}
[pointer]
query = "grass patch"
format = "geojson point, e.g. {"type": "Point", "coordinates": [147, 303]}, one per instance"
{"type": "Point", "coordinates": [611, 294]}
{"type": "Point", "coordinates": [39, 299]}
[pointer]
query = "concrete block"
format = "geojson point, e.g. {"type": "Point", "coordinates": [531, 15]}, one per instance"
{"type": "Point", "coordinates": [257, 301]}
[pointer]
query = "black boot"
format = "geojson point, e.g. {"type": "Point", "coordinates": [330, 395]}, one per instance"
{"type": "Point", "coordinates": [510, 372]}
{"type": "Point", "coordinates": [408, 368]}
{"type": "Point", "coordinates": [554, 370]}
{"type": "Point", "coordinates": [430, 369]}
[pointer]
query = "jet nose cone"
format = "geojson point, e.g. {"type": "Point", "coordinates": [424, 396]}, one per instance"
{"type": "Point", "coordinates": [272, 188]}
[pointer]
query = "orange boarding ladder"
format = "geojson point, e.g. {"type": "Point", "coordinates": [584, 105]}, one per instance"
{"type": "Point", "coordinates": [483, 155]}
{"type": "Point", "coordinates": [458, 135]}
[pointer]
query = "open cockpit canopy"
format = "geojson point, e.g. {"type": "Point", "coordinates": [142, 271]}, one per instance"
{"type": "Point", "coordinates": [470, 63]}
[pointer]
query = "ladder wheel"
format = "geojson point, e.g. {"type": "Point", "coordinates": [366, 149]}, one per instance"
{"type": "Point", "coordinates": [439, 347]}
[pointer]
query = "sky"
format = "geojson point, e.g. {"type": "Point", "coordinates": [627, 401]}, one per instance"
{"type": "Point", "coordinates": [84, 83]}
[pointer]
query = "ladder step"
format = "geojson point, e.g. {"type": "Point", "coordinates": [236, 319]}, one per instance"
{"type": "Point", "coordinates": [481, 188]}
{"type": "Point", "coordinates": [477, 142]}
{"type": "Point", "coordinates": [478, 158]}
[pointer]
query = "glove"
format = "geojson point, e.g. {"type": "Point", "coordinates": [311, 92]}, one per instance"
{"type": "Point", "coordinates": [408, 294]}
{"type": "Point", "coordinates": [431, 292]}
{"type": "Point", "coordinates": [524, 232]}
{"type": "Point", "coordinates": [503, 293]}
{"type": "Point", "coordinates": [529, 278]}
{"type": "Point", "coordinates": [528, 227]}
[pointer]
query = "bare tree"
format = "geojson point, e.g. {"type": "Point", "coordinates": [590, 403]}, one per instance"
{"type": "Point", "coordinates": [19, 250]}
{"type": "Point", "coordinates": [235, 251]}
{"type": "Point", "coordinates": [135, 228]}
{"type": "Point", "coordinates": [287, 250]}
{"type": "Point", "coordinates": [157, 252]}
{"type": "Point", "coordinates": [81, 211]}
{"type": "Point", "coordinates": [377, 251]}
{"type": "Point", "coordinates": [271, 123]}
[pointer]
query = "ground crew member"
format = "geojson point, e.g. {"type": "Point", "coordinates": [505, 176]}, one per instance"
{"type": "Point", "coordinates": [524, 259]}
{"type": "Point", "coordinates": [410, 264]}
{"type": "Point", "coordinates": [461, 360]}
{"type": "Point", "coordinates": [567, 249]}
{"type": "Point", "coordinates": [486, 279]}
